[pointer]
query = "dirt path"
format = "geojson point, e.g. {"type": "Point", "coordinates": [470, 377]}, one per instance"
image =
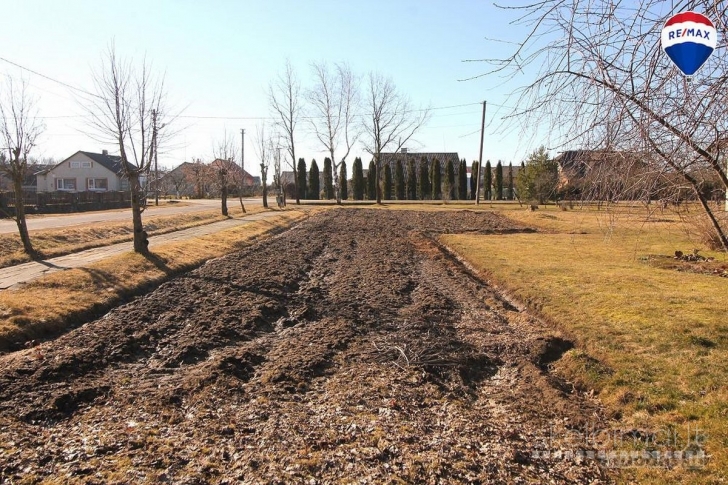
{"type": "Point", "coordinates": [351, 349]}
{"type": "Point", "coordinates": [12, 277]}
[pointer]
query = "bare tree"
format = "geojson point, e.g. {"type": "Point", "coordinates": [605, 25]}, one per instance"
{"type": "Point", "coordinates": [177, 182]}
{"type": "Point", "coordinates": [127, 110]}
{"type": "Point", "coordinates": [200, 177]}
{"type": "Point", "coordinates": [604, 83]}
{"type": "Point", "coordinates": [20, 127]}
{"type": "Point", "coordinates": [284, 98]}
{"type": "Point", "coordinates": [227, 172]}
{"type": "Point", "coordinates": [391, 122]}
{"type": "Point", "coordinates": [265, 151]}
{"type": "Point", "coordinates": [334, 101]}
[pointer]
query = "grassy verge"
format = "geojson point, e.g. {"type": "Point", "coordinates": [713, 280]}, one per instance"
{"type": "Point", "coordinates": [652, 342]}
{"type": "Point", "coordinates": [57, 242]}
{"type": "Point", "coordinates": [74, 296]}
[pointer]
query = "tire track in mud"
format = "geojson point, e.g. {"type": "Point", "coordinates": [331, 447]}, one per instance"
{"type": "Point", "coordinates": [352, 347]}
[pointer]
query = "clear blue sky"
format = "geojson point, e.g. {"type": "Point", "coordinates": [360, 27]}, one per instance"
{"type": "Point", "coordinates": [219, 57]}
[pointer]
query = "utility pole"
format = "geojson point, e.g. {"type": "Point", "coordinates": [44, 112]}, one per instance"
{"type": "Point", "coordinates": [480, 157]}
{"type": "Point", "coordinates": [154, 152]}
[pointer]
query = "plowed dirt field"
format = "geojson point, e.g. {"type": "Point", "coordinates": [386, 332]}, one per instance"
{"type": "Point", "coordinates": [352, 348]}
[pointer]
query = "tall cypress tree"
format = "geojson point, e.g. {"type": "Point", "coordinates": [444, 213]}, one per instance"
{"type": "Point", "coordinates": [343, 183]}
{"type": "Point", "coordinates": [372, 181]}
{"type": "Point", "coordinates": [510, 181]}
{"type": "Point", "coordinates": [499, 181]}
{"type": "Point", "coordinates": [301, 178]}
{"type": "Point", "coordinates": [522, 171]}
{"type": "Point", "coordinates": [387, 189]}
{"type": "Point", "coordinates": [436, 175]}
{"type": "Point", "coordinates": [488, 181]}
{"type": "Point", "coordinates": [399, 180]}
{"type": "Point", "coordinates": [411, 180]}
{"type": "Point", "coordinates": [463, 180]}
{"type": "Point", "coordinates": [452, 192]}
{"type": "Point", "coordinates": [424, 180]}
{"type": "Point", "coordinates": [358, 180]}
{"type": "Point", "coordinates": [328, 179]}
{"type": "Point", "coordinates": [473, 181]}
{"type": "Point", "coordinates": [314, 181]}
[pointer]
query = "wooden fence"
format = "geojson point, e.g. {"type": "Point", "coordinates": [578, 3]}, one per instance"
{"type": "Point", "coordinates": [63, 202]}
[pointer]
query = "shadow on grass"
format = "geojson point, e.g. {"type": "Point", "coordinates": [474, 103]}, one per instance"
{"type": "Point", "coordinates": [159, 263]}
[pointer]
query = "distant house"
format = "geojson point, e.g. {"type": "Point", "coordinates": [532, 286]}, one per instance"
{"type": "Point", "coordinates": [198, 179]}
{"type": "Point", "coordinates": [234, 172]}
{"type": "Point", "coordinates": [30, 180]}
{"type": "Point", "coordinates": [611, 173]}
{"type": "Point", "coordinates": [85, 171]}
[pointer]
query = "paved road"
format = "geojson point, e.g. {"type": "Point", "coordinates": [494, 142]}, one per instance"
{"type": "Point", "coordinates": [23, 273]}
{"type": "Point", "coordinates": [55, 221]}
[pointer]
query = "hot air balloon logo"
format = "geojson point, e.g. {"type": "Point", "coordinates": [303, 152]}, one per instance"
{"type": "Point", "coordinates": [689, 38]}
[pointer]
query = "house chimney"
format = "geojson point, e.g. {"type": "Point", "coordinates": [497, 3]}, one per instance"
{"type": "Point", "coordinates": [403, 150]}
{"type": "Point", "coordinates": [105, 152]}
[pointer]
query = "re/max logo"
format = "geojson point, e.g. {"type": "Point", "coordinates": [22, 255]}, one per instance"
{"type": "Point", "coordinates": [676, 34]}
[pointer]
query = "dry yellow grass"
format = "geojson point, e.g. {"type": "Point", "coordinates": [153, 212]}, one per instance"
{"type": "Point", "coordinates": [57, 242]}
{"type": "Point", "coordinates": [652, 342]}
{"type": "Point", "coordinates": [76, 295]}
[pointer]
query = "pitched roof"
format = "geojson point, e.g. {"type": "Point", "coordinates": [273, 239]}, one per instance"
{"type": "Point", "coordinates": [579, 163]}
{"type": "Point", "coordinates": [112, 162]}
{"type": "Point", "coordinates": [230, 165]}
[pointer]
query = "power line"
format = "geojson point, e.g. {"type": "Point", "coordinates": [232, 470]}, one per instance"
{"type": "Point", "coordinates": [50, 78]}
{"type": "Point", "coordinates": [256, 118]}
{"type": "Point", "coordinates": [470, 134]}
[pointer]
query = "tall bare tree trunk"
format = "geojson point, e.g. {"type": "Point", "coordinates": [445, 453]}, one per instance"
{"type": "Point", "coordinates": [223, 201]}
{"type": "Point", "coordinates": [20, 218]}
{"type": "Point", "coordinates": [141, 243]}
{"type": "Point", "coordinates": [265, 194]}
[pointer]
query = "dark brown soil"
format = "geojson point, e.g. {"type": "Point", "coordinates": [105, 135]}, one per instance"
{"type": "Point", "coordinates": [350, 349]}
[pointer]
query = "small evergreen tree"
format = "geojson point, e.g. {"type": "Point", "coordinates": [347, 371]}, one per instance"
{"type": "Point", "coordinates": [314, 182]}
{"type": "Point", "coordinates": [499, 181]}
{"type": "Point", "coordinates": [424, 192]}
{"type": "Point", "coordinates": [328, 179]}
{"type": "Point", "coordinates": [343, 183]}
{"type": "Point", "coordinates": [387, 189]}
{"type": "Point", "coordinates": [463, 180]}
{"type": "Point", "coordinates": [358, 180]}
{"type": "Point", "coordinates": [510, 181]}
{"type": "Point", "coordinates": [539, 179]}
{"type": "Point", "coordinates": [436, 180]}
{"type": "Point", "coordinates": [488, 182]}
{"type": "Point", "coordinates": [399, 180]}
{"type": "Point", "coordinates": [372, 181]}
{"type": "Point", "coordinates": [452, 192]}
{"type": "Point", "coordinates": [473, 181]}
{"type": "Point", "coordinates": [411, 180]}
{"type": "Point", "coordinates": [301, 178]}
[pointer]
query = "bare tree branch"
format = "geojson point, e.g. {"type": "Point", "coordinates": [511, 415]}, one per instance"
{"type": "Point", "coordinates": [334, 100]}
{"type": "Point", "coordinates": [604, 83]}
{"type": "Point", "coordinates": [20, 128]}
{"type": "Point", "coordinates": [284, 97]}
{"type": "Point", "coordinates": [391, 122]}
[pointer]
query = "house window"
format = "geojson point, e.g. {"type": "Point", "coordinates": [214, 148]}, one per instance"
{"type": "Point", "coordinates": [65, 184]}
{"type": "Point", "coordinates": [97, 184]}
{"type": "Point", "coordinates": [81, 164]}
